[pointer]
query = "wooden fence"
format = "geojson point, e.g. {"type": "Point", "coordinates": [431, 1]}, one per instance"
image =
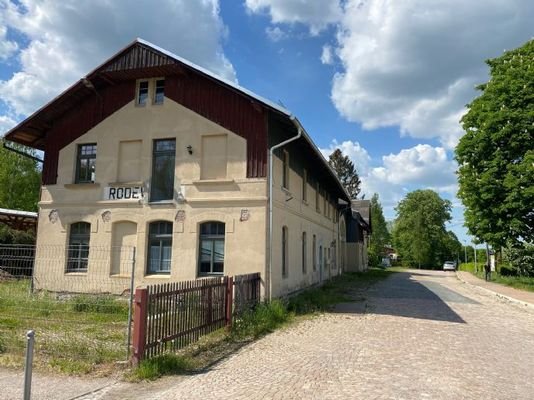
{"type": "Point", "coordinates": [170, 316]}
{"type": "Point", "coordinates": [246, 292]}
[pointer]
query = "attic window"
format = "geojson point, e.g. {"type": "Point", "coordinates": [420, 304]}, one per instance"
{"type": "Point", "coordinates": [142, 93]}
{"type": "Point", "coordinates": [159, 92]}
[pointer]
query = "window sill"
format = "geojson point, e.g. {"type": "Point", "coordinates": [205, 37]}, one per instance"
{"type": "Point", "coordinates": [131, 183]}
{"type": "Point", "coordinates": [75, 273]}
{"type": "Point", "coordinates": [212, 181]}
{"type": "Point", "coordinates": [213, 275]}
{"type": "Point", "coordinates": [84, 185]}
{"type": "Point", "coordinates": [158, 276]}
{"type": "Point", "coordinates": [285, 190]}
{"type": "Point", "coordinates": [161, 203]}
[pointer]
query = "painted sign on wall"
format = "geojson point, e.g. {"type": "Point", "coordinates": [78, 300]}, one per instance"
{"type": "Point", "coordinates": [123, 193]}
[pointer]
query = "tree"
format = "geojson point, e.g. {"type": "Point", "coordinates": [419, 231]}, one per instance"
{"type": "Point", "coordinates": [19, 180]}
{"type": "Point", "coordinates": [419, 234]}
{"type": "Point", "coordinates": [346, 172]}
{"type": "Point", "coordinates": [496, 154]}
{"type": "Point", "coordinates": [380, 236]}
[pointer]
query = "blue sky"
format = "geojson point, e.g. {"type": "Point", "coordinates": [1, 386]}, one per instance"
{"type": "Point", "coordinates": [386, 81]}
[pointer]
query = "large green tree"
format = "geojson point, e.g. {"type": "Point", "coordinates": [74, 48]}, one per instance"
{"type": "Point", "coordinates": [419, 233]}
{"type": "Point", "coordinates": [346, 172]}
{"type": "Point", "coordinates": [380, 236]}
{"type": "Point", "coordinates": [496, 154]}
{"type": "Point", "coordinates": [19, 180]}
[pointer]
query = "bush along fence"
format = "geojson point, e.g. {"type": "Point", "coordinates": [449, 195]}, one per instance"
{"type": "Point", "coordinates": [170, 316]}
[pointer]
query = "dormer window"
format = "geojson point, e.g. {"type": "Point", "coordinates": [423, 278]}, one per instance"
{"type": "Point", "coordinates": [159, 91]}
{"type": "Point", "coordinates": [142, 93]}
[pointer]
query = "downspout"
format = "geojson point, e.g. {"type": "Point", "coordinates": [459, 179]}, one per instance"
{"type": "Point", "coordinates": [269, 283]}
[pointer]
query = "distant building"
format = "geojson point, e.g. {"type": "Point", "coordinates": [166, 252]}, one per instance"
{"type": "Point", "coordinates": [152, 151]}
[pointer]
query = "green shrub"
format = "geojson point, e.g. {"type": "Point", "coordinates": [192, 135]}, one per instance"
{"type": "Point", "coordinates": [508, 271]}
{"type": "Point", "coordinates": [166, 364]}
{"type": "Point", "coordinates": [265, 318]}
{"type": "Point", "coordinates": [105, 304]}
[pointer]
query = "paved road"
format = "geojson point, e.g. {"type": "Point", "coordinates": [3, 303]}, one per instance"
{"type": "Point", "coordinates": [418, 335]}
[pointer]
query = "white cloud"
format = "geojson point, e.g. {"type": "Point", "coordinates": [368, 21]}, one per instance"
{"type": "Point", "coordinates": [6, 123]}
{"type": "Point", "coordinates": [67, 39]}
{"type": "Point", "coordinates": [422, 166]}
{"type": "Point", "coordinates": [7, 47]}
{"type": "Point", "coordinates": [415, 63]}
{"type": "Point", "coordinates": [327, 55]}
{"type": "Point", "coordinates": [275, 33]}
{"type": "Point", "coordinates": [317, 14]}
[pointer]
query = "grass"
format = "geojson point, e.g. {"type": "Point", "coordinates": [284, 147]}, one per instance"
{"type": "Point", "coordinates": [263, 319]}
{"type": "Point", "coordinates": [338, 290]}
{"type": "Point", "coordinates": [517, 282]}
{"type": "Point", "coordinates": [75, 334]}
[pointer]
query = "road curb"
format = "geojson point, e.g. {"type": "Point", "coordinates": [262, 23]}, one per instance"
{"type": "Point", "coordinates": [502, 296]}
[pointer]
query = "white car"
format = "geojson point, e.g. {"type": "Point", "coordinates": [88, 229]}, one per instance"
{"type": "Point", "coordinates": [449, 266]}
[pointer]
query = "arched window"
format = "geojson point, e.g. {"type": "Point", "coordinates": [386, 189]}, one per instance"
{"type": "Point", "coordinates": [78, 252]}
{"type": "Point", "coordinates": [304, 253]}
{"type": "Point", "coordinates": [284, 251]}
{"type": "Point", "coordinates": [159, 247]}
{"type": "Point", "coordinates": [314, 253]}
{"type": "Point", "coordinates": [211, 254]}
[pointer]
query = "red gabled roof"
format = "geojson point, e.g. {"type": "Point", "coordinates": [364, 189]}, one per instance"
{"type": "Point", "coordinates": [140, 59]}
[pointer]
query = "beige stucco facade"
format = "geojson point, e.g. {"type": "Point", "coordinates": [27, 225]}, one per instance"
{"type": "Point", "coordinates": [210, 185]}
{"type": "Point", "coordinates": [302, 216]}
{"type": "Point", "coordinates": [222, 199]}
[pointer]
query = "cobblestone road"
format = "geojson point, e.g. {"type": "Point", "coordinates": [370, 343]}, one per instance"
{"type": "Point", "coordinates": [418, 335]}
{"type": "Point", "coordinates": [423, 336]}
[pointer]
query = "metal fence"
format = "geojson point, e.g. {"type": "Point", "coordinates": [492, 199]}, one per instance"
{"type": "Point", "coordinates": [76, 299]}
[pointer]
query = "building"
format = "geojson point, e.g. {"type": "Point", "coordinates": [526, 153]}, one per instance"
{"type": "Point", "coordinates": [154, 152]}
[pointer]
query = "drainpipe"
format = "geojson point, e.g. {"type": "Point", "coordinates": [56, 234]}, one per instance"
{"type": "Point", "coordinates": [269, 284]}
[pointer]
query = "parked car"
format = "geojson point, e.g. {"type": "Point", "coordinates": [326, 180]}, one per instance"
{"type": "Point", "coordinates": [449, 266]}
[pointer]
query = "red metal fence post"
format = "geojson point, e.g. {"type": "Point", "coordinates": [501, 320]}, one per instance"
{"type": "Point", "coordinates": [140, 324]}
{"type": "Point", "coordinates": [229, 300]}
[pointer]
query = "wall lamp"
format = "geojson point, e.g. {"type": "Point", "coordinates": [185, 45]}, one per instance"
{"type": "Point", "coordinates": [189, 149]}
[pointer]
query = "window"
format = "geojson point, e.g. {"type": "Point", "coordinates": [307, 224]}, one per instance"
{"type": "Point", "coordinates": [318, 198]}
{"type": "Point", "coordinates": [211, 258]}
{"type": "Point", "coordinates": [85, 163]}
{"type": "Point", "coordinates": [142, 93]}
{"type": "Point", "coordinates": [78, 252]}
{"type": "Point", "coordinates": [159, 92]}
{"type": "Point", "coordinates": [284, 251]}
{"type": "Point", "coordinates": [305, 186]}
{"type": "Point", "coordinates": [162, 187]}
{"type": "Point", "coordinates": [159, 247]}
{"type": "Point", "coordinates": [304, 253]}
{"type": "Point", "coordinates": [314, 251]}
{"type": "Point", "coordinates": [325, 204]}
{"type": "Point", "coordinates": [285, 169]}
